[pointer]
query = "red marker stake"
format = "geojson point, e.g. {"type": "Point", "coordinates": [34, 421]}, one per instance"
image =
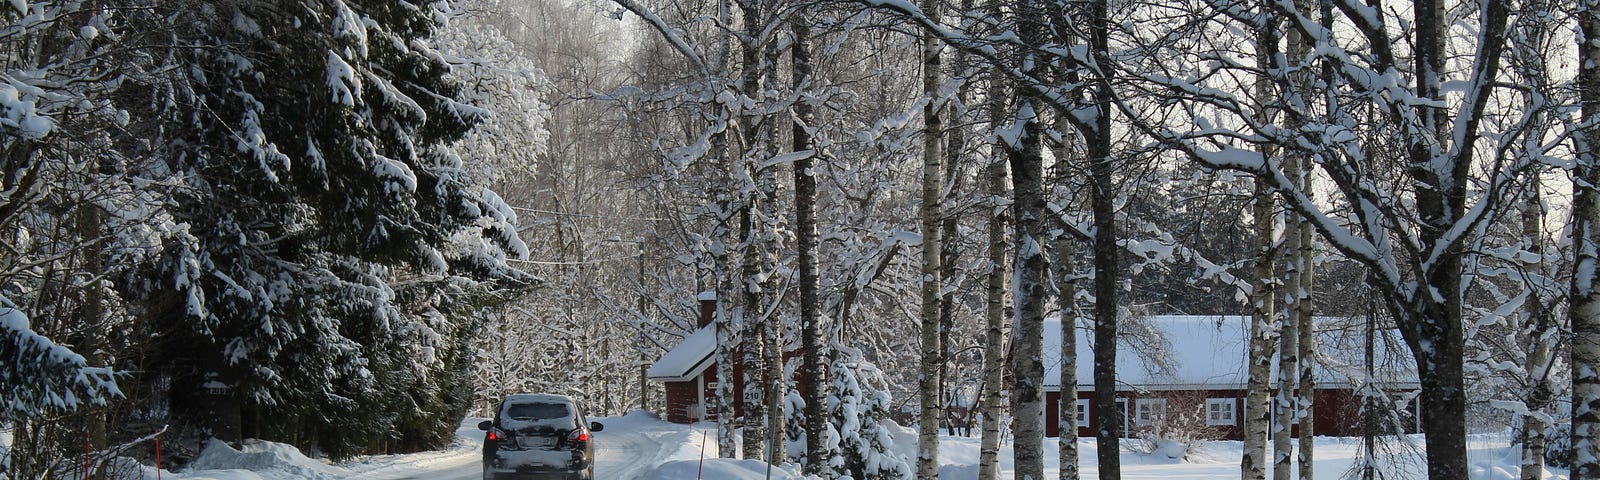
{"type": "Point", "coordinates": [702, 467]}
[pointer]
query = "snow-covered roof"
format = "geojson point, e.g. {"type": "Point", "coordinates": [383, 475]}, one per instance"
{"type": "Point", "coordinates": [1211, 352]}
{"type": "Point", "coordinates": [688, 359]}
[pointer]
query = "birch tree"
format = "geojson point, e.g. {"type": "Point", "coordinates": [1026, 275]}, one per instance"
{"type": "Point", "coordinates": [1585, 294]}
{"type": "Point", "coordinates": [932, 217]}
{"type": "Point", "coordinates": [813, 369]}
{"type": "Point", "coordinates": [1024, 150]}
{"type": "Point", "coordinates": [1067, 278]}
{"type": "Point", "coordinates": [994, 362]}
{"type": "Point", "coordinates": [1300, 275]}
{"type": "Point", "coordinates": [1263, 340]}
{"type": "Point", "coordinates": [1416, 254]}
{"type": "Point", "coordinates": [994, 315]}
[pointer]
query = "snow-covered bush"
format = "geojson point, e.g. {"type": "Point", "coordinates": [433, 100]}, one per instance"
{"type": "Point", "coordinates": [1176, 433]}
{"type": "Point", "coordinates": [859, 408]}
{"type": "Point", "coordinates": [794, 420]}
{"type": "Point", "coordinates": [1558, 449]}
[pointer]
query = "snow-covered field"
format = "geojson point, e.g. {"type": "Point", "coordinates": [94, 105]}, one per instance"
{"type": "Point", "coordinates": [639, 446]}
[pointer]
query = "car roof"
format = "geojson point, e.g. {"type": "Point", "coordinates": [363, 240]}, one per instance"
{"type": "Point", "coordinates": [538, 397]}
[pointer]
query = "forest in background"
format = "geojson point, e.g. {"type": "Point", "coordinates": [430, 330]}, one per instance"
{"type": "Point", "coordinates": [362, 221]}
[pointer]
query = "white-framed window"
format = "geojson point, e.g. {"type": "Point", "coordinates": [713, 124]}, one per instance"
{"type": "Point", "coordinates": [1149, 411]}
{"type": "Point", "coordinates": [1222, 411]}
{"type": "Point", "coordinates": [1083, 412]}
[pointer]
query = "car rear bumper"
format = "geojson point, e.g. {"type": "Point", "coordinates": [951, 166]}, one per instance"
{"type": "Point", "coordinates": [536, 475]}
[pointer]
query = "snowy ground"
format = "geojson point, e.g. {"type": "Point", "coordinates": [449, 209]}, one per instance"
{"type": "Point", "coordinates": [640, 447]}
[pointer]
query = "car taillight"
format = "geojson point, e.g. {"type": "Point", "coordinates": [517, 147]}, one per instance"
{"type": "Point", "coordinates": [493, 436]}
{"type": "Point", "coordinates": [580, 436]}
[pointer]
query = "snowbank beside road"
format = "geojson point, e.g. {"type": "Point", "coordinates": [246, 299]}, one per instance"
{"type": "Point", "coordinates": [257, 459]}
{"type": "Point", "coordinates": [639, 446]}
{"type": "Point", "coordinates": [721, 469]}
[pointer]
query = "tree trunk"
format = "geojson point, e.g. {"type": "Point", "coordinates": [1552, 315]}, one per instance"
{"type": "Point", "coordinates": [813, 368]}
{"type": "Point", "coordinates": [1284, 408]}
{"type": "Point", "coordinates": [1305, 402]}
{"type": "Point", "coordinates": [1585, 309]}
{"type": "Point", "coordinates": [1067, 408]}
{"type": "Point", "coordinates": [1029, 217]}
{"type": "Point", "coordinates": [1439, 367]}
{"type": "Point", "coordinates": [1107, 273]}
{"type": "Point", "coordinates": [754, 340]}
{"type": "Point", "coordinates": [1302, 260]}
{"type": "Point", "coordinates": [93, 312]}
{"type": "Point", "coordinates": [1028, 213]}
{"type": "Point", "coordinates": [1541, 333]}
{"type": "Point", "coordinates": [726, 280]}
{"type": "Point", "coordinates": [754, 236]}
{"type": "Point", "coordinates": [949, 250]}
{"type": "Point", "coordinates": [1430, 317]}
{"type": "Point", "coordinates": [994, 335]}
{"type": "Point", "coordinates": [1263, 341]}
{"type": "Point", "coordinates": [994, 350]}
{"type": "Point", "coordinates": [727, 336]}
{"type": "Point", "coordinates": [932, 215]}
{"type": "Point", "coordinates": [1264, 323]}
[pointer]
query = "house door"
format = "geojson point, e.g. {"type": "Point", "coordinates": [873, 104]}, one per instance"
{"type": "Point", "coordinates": [1122, 406]}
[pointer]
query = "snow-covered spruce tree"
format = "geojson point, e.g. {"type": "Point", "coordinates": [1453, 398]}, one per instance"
{"type": "Point", "coordinates": [318, 192]}
{"type": "Point", "coordinates": [72, 216]}
{"type": "Point", "coordinates": [858, 408]}
{"type": "Point", "coordinates": [794, 421]}
{"type": "Point", "coordinates": [51, 375]}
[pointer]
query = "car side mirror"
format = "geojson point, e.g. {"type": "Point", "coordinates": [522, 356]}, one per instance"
{"type": "Point", "coordinates": [596, 426]}
{"type": "Point", "coordinates": [485, 425]}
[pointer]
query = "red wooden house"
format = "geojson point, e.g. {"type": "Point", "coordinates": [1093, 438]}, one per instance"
{"type": "Point", "coordinates": [1200, 378]}
{"type": "Point", "coordinates": [689, 371]}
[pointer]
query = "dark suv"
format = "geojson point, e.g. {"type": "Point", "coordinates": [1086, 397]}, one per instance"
{"type": "Point", "coordinates": [537, 436]}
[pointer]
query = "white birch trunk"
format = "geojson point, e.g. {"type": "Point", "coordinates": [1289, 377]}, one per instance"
{"type": "Point", "coordinates": [1541, 334]}
{"type": "Point", "coordinates": [1288, 366]}
{"type": "Point", "coordinates": [727, 340]}
{"type": "Point", "coordinates": [1263, 341]}
{"type": "Point", "coordinates": [928, 383]}
{"type": "Point", "coordinates": [1585, 309]}
{"type": "Point", "coordinates": [994, 349]}
{"type": "Point", "coordinates": [994, 334]}
{"type": "Point", "coordinates": [1301, 168]}
{"type": "Point", "coordinates": [723, 324]}
{"type": "Point", "coordinates": [1264, 323]}
{"type": "Point", "coordinates": [1026, 364]}
{"type": "Point", "coordinates": [1028, 215]}
{"type": "Point", "coordinates": [1067, 408]}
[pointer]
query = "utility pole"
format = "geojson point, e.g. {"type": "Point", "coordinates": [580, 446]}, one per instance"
{"type": "Point", "coordinates": [644, 340]}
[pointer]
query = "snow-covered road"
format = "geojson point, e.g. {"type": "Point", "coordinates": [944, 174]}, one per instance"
{"type": "Point", "coordinates": [628, 448]}
{"type": "Point", "coordinates": [620, 453]}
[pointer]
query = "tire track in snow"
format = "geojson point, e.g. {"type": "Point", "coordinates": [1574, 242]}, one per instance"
{"type": "Point", "coordinates": [625, 455]}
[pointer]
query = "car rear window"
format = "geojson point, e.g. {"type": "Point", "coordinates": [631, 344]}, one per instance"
{"type": "Point", "coordinates": [537, 411]}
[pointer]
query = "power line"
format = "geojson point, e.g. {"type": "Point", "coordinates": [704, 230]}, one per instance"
{"type": "Point", "coordinates": [585, 262]}
{"type": "Point", "coordinates": [585, 215]}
